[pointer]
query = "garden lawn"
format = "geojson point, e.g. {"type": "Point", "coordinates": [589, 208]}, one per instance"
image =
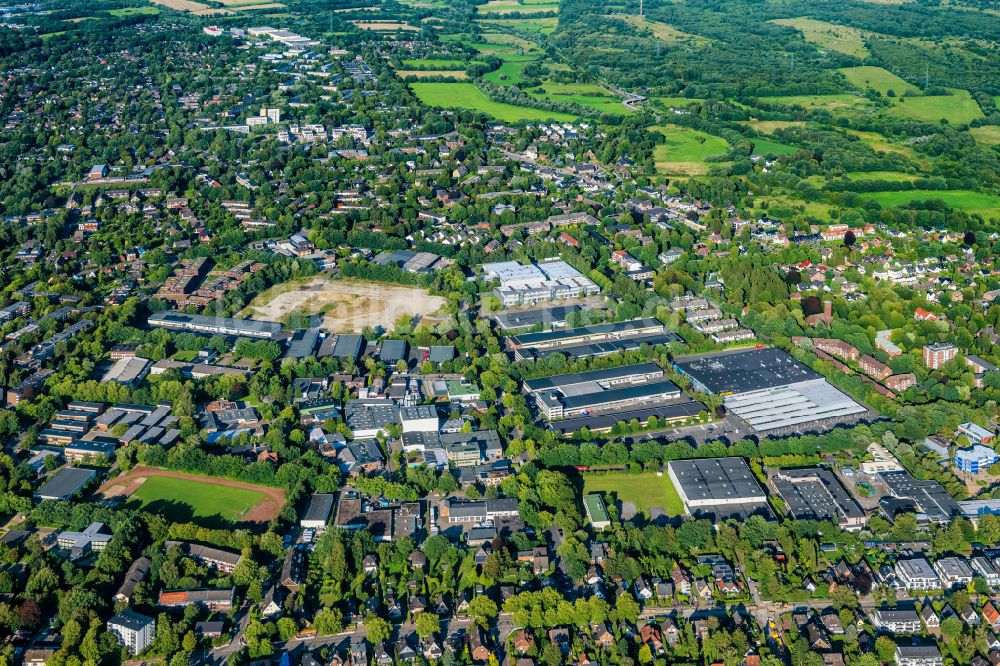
{"type": "Point", "coordinates": [468, 96]}
{"type": "Point", "coordinates": [647, 490]}
{"type": "Point", "coordinates": [187, 500]}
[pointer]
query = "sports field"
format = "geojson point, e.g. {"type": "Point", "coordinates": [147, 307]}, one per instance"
{"type": "Point", "coordinates": [647, 490]}
{"type": "Point", "coordinates": [208, 501]}
{"type": "Point", "coordinates": [956, 108]}
{"type": "Point", "coordinates": [468, 96]}
{"type": "Point", "coordinates": [348, 306]}
{"type": "Point", "coordinates": [876, 78]}
{"type": "Point", "coordinates": [839, 38]}
{"type": "Point", "coordinates": [685, 150]}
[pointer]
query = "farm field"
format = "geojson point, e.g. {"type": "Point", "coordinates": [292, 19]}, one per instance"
{"type": "Point", "coordinates": [433, 63]}
{"type": "Point", "coordinates": [987, 135]}
{"type": "Point", "coordinates": [468, 96]}
{"type": "Point", "coordinates": [647, 490]}
{"type": "Point", "coordinates": [839, 38]}
{"type": "Point", "coordinates": [385, 26]}
{"type": "Point", "coordinates": [685, 150]}
{"type": "Point", "coordinates": [877, 78]}
{"type": "Point", "coordinates": [208, 501]}
{"type": "Point", "coordinates": [182, 5]}
{"type": "Point", "coordinates": [957, 108]}
{"type": "Point", "coordinates": [967, 200]}
{"type": "Point", "coordinates": [771, 126]}
{"type": "Point", "coordinates": [508, 40]}
{"type": "Point", "coordinates": [664, 32]}
{"type": "Point", "coordinates": [347, 305]}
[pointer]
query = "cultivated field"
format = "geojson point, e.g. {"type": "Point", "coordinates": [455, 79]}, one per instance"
{"type": "Point", "coordinates": [384, 26]}
{"type": "Point", "coordinates": [685, 150]}
{"type": "Point", "coordinates": [647, 490]}
{"type": "Point", "coordinates": [841, 39]}
{"type": "Point", "coordinates": [347, 305]}
{"type": "Point", "coordinates": [468, 96]}
{"type": "Point", "coordinates": [182, 5]}
{"type": "Point", "coordinates": [209, 501]}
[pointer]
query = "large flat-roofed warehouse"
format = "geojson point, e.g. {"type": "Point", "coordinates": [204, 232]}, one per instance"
{"type": "Point", "coordinates": [583, 393]}
{"type": "Point", "coordinates": [244, 328]}
{"type": "Point", "coordinates": [932, 500]}
{"type": "Point", "coordinates": [768, 388]}
{"type": "Point", "coordinates": [718, 488]}
{"type": "Point", "coordinates": [550, 317]}
{"type": "Point", "coordinates": [586, 341]}
{"type": "Point", "coordinates": [815, 493]}
{"type": "Point", "coordinates": [548, 280]}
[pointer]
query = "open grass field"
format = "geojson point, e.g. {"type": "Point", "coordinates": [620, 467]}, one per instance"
{"type": "Point", "coordinates": [839, 38]}
{"type": "Point", "coordinates": [987, 135]}
{"type": "Point", "coordinates": [833, 103]}
{"type": "Point", "coordinates": [880, 143]}
{"type": "Point", "coordinates": [468, 96]}
{"type": "Point", "coordinates": [647, 490]}
{"type": "Point", "coordinates": [509, 73]}
{"type": "Point", "coordinates": [433, 63]}
{"type": "Point", "coordinates": [347, 305]}
{"type": "Point", "coordinates": [585, 94]}
{"type": "Point", "coordinates": [132, 11]}
{"type": "Point", "coordinates": [876, 78]}
{"type": "Point", "coordinates": [772, 126]}
{"type": "Point", "coordinates": [457, 74]}
{"type": "Point", "coordinates": [765, 147]}
{"type": "Point", "coordinates": [544, 26]}
{"type": "Point", "coordinates": [510, 6]}
{"type": "Point", "coordinates": [956, 108]}
{"type": "Point", "coordinates": [508, 40]}
{"type": "Point", "coordinates": [662, 31]}
{"type": "Point", "coordinates": [676, 102]}
{"type": "Point", "coordinates": [685, 150]}
{"type": "Point", "coordinates": [987, 205]}
{"type": "Point", "coordinates": [208, 501]}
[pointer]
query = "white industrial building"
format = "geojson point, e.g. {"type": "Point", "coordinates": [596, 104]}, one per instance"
{"type": "Point", "coordinates": [548, 280]}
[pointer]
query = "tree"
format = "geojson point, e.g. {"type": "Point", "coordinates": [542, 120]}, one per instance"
{"type": "Point", "coordinates": [286, 628]}
{"type": "Point", "coordinates": [428, 624]}
{"type": "Point", "coordinates": [885, 648]}
{"type": "Point", "coordinates": [377, 629]}
{"type": "Point", "coordinates": [482, 608]}
{"type": "Point", "coordinates": [627, 608]}
{"type": "Point", "coordinates": [849, 238]}
{"type": "Point", "coordinates": [951, 626]}
{"type": "Point", "coordinates": [329, 621]}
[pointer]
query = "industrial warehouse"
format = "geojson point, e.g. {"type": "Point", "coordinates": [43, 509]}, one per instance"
{"type": "Point", "coordinates": [769, 389]}
{"type": "Point", "coordinates": [815, 493]}
{"type": "Point", "coordinates": [548, 280]}
{"type": "Point", "coordinates": [584, 393]}
{"type": "Point", "coordinates": [718, 488]}
{"type": "Point", "coordinates": [588, 341]}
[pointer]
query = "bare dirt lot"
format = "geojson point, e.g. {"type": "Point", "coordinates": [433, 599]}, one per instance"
{"type": "Point", "coordinates": [347, 305]}
{"type": "Point", "coordinates": [191, 489]}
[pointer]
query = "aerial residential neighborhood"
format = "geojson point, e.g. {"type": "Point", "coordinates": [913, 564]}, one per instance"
{"type": "Point", "coordinates": [482, 332]}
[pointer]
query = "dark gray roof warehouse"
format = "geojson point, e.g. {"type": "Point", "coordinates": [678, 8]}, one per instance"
{"type": "Point", "coordinates": [744, 371]}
